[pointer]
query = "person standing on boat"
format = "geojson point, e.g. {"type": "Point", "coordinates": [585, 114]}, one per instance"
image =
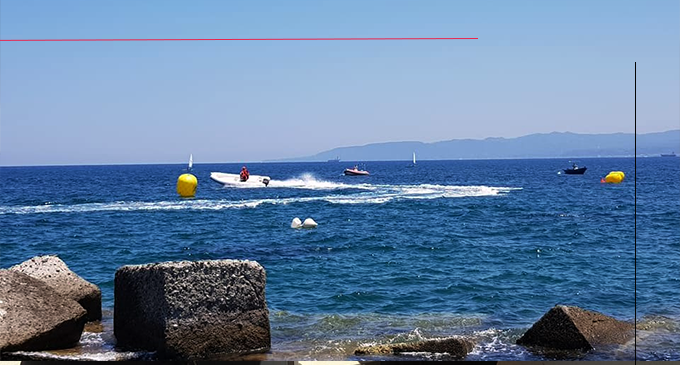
{"type": "Point", "coordinates": [244, 174]}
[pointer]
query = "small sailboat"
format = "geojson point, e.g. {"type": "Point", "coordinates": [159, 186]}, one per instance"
{"type": "Point", "coordinates": [414, 161]}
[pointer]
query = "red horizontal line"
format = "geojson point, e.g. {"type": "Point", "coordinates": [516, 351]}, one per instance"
{"type": "Point", "coordinates": [221, 39]}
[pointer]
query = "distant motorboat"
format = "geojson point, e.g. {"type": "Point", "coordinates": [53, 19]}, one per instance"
{"type": "Point", "coordinates": [355, 172]}
{"type": "Point", "coordinates": [672, 154]}
{"type": "Point", "coordinates": [575, 170]}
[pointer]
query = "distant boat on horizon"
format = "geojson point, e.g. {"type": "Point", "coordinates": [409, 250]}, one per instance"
{"type": "Point", "coordinates": [672, 154]}
{"type": "Point", "coordinates": [414, 161]}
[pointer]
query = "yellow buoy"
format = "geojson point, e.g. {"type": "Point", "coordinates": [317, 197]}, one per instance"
{"type": "Point", "coordinates": [186, 185]}
{"type": "Point", "coordinates": [614, 177]}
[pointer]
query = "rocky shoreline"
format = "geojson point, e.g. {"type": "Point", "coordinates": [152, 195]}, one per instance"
{"type": "Point", "coordinates": [179, 310]}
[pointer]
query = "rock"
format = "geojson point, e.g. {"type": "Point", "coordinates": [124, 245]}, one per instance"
{"type": "Point", "coordinates": [309, 223]}
{"type": "Point", "coordinates": [56, 274]}
{"type": "Point", "coordinates": [34, 317]}
{"type": "Point", "coordinates": [570, 328]}
{"type": "Point", "coordinates": [457, 347]}
{"type": "Point", "coordinates": [188, 310]}
{"type": "Point", "coordinates": [296, 223]}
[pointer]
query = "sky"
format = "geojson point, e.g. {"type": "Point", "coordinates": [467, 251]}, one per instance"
{"type": "Point", "coordinates": [537, 67]}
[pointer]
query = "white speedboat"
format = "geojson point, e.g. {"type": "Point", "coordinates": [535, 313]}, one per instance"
{"type": "Point", "coordinates": [235, 179]}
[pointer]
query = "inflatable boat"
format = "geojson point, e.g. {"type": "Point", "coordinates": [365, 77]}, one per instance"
{"type": "Point", "coordinates": [355, 172]}
{"type": "Point", "coordinates": [235, 179]}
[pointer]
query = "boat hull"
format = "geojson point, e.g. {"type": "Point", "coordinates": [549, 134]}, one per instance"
{"type": "Point", "coordinates": [235, 179]}
{"type": "Point", "coordinates": [578, 171]}
{"type": "Point", "coordinates": [350, 172]}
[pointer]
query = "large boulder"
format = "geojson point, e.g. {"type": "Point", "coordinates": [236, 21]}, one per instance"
{"type": "Point", "coordinates": [34, 317]}
{"type": "Point", "coordinates": [56, 274]}
{"type": "Point", "coordinates": [188, 310]}
{"type": "Point", "coordinates": [456, 347]}
{"type": "Point", "coordinates": [572, 328]}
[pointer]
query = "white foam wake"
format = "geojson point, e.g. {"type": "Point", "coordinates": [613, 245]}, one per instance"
{"type": "Point", "coordinates": [305, 181]}
{"type": "Point", "coordinates": [371, 194]}
{"type": "Point", "coordinates": [309, 182]}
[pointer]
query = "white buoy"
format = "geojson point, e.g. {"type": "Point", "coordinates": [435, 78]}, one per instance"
{"type": "Point", "coordinates": [296, 223]}
{"type": "Point", "coordinates": [309, 223]}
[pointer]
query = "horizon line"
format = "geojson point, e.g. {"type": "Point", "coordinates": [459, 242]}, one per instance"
{"type": "Point", "coordinates": [220, 39]}
{"type": "Point", "coordinates": [308, 159]}
{"type": "Point", "coordinates": [324, 162]}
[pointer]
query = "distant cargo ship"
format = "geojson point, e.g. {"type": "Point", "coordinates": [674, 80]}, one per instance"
{"type": "Point", "coordinates": [672, 154]}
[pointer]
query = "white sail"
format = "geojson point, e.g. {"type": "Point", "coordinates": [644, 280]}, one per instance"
{"type": "Point", "coordinates": [191, 161]}
{"type": "Point", "coordinates": [414, 158]}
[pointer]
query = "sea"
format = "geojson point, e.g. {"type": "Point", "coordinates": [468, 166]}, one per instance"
{"type": "Point", "coordinates": [479, 248]}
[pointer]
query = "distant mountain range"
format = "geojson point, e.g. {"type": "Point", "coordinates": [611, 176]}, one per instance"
{"type": "Point", "coordinates": [542, 145]}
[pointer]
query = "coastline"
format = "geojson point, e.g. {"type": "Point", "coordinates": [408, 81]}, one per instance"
{"type": "Point", "coordinates": [99, 345]}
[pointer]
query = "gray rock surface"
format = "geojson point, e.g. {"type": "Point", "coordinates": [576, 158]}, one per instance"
{"type": "Point", "coordinates": [456, 347]}
{"type": "Point", "coordinates": [571, 328]}
{"type": "Point", "coordinates": [53, 271]}
{"type": "Point", "coordinates": [33, 316]}
{"type": "Point", "coordinates": [187, 310]}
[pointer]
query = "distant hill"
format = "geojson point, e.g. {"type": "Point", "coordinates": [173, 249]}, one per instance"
{"type": "Point", "coordinates": [542, 145]}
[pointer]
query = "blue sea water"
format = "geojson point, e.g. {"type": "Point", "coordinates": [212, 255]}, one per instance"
{"type": "Point", "coordinates": [481, 248]}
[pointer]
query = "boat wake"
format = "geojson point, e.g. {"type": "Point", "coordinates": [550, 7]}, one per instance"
{"type": "Point", "coordinates": [367, 194]}
{"type": "Point", "coordinates": [309, 182]}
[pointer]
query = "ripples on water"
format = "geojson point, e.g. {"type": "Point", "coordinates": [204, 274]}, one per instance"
{"type": "Point", "coordinates": [481, 248]}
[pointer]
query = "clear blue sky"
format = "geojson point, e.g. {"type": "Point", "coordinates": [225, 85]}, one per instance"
{"type": "Point", "coordinates": [538, 66]}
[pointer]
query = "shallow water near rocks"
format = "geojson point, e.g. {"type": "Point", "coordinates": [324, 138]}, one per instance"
{"type": "Point", "coordinates": [478, 248]}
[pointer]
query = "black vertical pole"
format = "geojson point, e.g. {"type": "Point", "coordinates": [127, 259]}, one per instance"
{"type": "Point", "coordinates": [635, 211]}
